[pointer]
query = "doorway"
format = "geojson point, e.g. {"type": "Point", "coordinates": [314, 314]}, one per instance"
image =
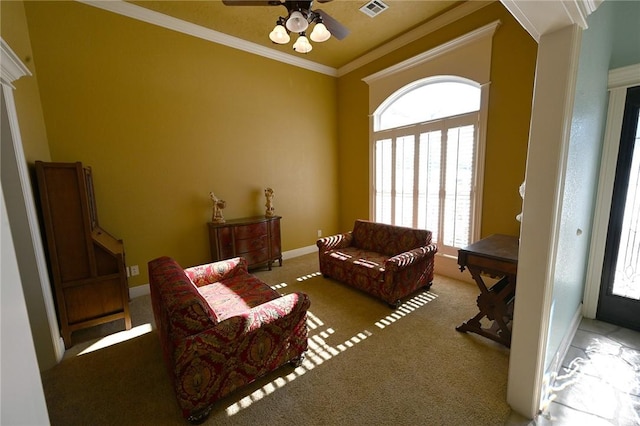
{"type": "Point", "coordinates": [619, 301]}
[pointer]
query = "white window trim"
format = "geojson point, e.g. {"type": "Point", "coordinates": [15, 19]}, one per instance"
{"type": "Point", "coordinates": [470, 37]}
{"type": "Point", "coordinates": [481, 152]}
{"type": "Point", "coordinates": [424, 58]}
{"type": "Point", "coordinates": [415, 130]}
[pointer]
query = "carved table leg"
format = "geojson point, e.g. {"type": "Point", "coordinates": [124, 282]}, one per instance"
{"type": "Point", "coordinates": [496, 304]}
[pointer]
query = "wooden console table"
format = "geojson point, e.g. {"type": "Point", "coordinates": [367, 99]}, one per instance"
{"type": "Point", "coordinates": [495, 256]}
{"type": "Point", "coordinates": [257, 239]}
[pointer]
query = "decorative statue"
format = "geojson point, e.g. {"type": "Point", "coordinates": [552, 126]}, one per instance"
{"type": "Point", "coordinates": [521, 190]}
{"type": "Point", "coordinates": [268, 193]}
{"type": "Point", "coordinates": [218, 206]}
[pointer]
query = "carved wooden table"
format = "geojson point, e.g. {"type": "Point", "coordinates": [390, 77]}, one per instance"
{"type": "Point", "coordinates": [497, 257]}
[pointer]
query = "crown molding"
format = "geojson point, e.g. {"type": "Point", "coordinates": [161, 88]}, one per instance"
{"type": "Point", "coordinates": [480, 33]}
{"type": "Point", "coordinates": [11, 67]}
{"type": "Point", "coordinates": [544, 17]}
{"type": "Point", "coordinates": [624, 77]}
{"type": "Point", "coordinates": [423, 30]}
{"type": "Point", "coordinates": [579, 10]}
{"type": "Point", "coordinates": [156, 18]}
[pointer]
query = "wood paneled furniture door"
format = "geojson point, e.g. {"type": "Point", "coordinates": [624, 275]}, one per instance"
{"type": "Point", "coordinates": [86, 263]}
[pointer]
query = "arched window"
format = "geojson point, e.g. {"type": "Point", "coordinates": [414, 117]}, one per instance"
{"type": "Point", "coordinates": [427, 100]}
{"type": "Point", "coordinates": [425, 147]}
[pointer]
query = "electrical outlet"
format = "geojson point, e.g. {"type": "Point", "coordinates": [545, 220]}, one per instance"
{"type": "Point", "coordinates": [135, 271]}
{"type": "Point", "coordinates": [319, 232]}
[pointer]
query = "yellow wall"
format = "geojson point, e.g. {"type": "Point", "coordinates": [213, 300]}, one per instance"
{"type": "Point", "coordinates": [164, 118]}
{"type": "Point", "coordinates": [512, 74]}
{"type": "Point", "coordinates": [14, 31]}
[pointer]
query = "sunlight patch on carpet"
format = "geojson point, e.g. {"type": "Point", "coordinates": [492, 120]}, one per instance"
{"type": "Point", "coordinates": [320, 351]}
{"type": "Point", "coordinates": [308, 276]}
{"type": "Point", "coordinates": [406, 308]}
{"type": "Point", "coordinates": [114, 339]}
{"type": "Point", "coordinates": [279, 286]}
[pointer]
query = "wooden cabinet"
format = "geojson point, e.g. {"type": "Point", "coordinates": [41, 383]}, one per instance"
{"type": "Point", "coordinates": [257, 239]}
{"type": "Point", "coordinates": [86, 263]}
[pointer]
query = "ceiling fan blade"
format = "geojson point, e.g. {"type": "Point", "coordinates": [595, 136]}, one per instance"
{"type": "Point", "coordinates": [336, 29]}
{"type": "Point", "coordinates": [252, 2]}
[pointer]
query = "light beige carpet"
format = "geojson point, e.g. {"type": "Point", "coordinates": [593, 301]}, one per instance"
{"type": "Point", "coordinates": [368, 365]}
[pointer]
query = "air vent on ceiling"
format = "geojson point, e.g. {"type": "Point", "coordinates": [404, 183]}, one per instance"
{"type": "Point", "coordinates": [374, 8]}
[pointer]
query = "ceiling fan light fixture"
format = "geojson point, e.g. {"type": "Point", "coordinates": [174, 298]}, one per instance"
{"type": "Point", "coordinates": [279, 35]}
{"type": "Point", "coordinates": [297, 23]}
{"type": "Point", "coordinates": [320, 33]}
{"type": "Point", "coordinates": [302, 45]}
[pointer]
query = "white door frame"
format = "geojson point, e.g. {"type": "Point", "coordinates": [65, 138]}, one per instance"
{"type": "Point", "coordinates": [556, 26]}
{"type": "Point", "coordinates": [620, 80]}
{"type": "Point", "coordinates": [11, 69]}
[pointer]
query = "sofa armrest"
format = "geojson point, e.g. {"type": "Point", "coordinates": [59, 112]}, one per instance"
{"type": "Point", "coordinates": [217, 271]}
{"type": "Point", "coordinates": [264, 314]}
{"type": "Point", "coordinates": [335, 241]}
{"type": "Point", "coordinates": [223, 338]}
{"type": "Point", "coordinates": [405, 259]}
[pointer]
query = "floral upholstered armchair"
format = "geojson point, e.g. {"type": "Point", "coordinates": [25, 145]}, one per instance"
{"type": "Point", "coordinates": [221, 328]}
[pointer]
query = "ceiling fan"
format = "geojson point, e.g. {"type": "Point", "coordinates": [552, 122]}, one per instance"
{"type": "Point", "coordinates": [300, 16]}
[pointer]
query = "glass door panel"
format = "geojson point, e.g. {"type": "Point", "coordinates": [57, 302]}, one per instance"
{"type": "Point", "coordinates": [626, 282]}
{"type": "Point", "coordinates": [619, 301]}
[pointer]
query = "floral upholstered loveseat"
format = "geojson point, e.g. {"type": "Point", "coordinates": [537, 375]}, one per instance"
{"type": "Point", "coordinates": [221, 328]}
{"type": "Point", "coordinates": [389, 262]}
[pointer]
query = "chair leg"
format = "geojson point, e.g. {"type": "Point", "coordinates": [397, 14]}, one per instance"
{"type": "Point", "coordinates": [297, 361]}
{"type": "Point", "coordinates": [200, 416]}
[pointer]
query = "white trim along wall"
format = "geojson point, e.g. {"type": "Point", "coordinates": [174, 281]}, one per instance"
{"type": "Point", "coordinates": [22, 397]}
{"type": "Point", "coordinates": [162, 20]}
{"type": "Point", "coordinates": [551, 114]}
{"type": "Point", "coordinates": [25, 218]}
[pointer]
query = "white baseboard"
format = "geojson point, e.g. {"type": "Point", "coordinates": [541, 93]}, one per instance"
{"type": "Point", "coordinates": [448, 266]}
{"type": "Point", "coordinates": [299, 252]}
{"type": "Point", "coordinates": [139, 290]}
{"type": "Point", "coordinates": [143, 290]}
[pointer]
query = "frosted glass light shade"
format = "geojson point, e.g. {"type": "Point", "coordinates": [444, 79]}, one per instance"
{"type": "Point", "coordinates": [320, 33]}
{"type": "Point", "coordinates": [297, 23]}
{"type": "Point", "coordinates": [302, 45]}
{"type": "Point", "coordinates": [279, 35]}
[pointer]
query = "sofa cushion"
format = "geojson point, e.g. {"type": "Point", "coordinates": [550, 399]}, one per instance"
{"type": "Point", "coordinates": [237, 295]}
{"type": "Point", "coordinates": [366, 262]}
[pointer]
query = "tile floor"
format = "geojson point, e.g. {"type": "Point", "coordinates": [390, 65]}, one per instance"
{"type": "Point", "coordinates": [599, 382]}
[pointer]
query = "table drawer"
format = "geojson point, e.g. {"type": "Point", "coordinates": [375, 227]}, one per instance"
{"type": "Point", "coordinates": [258, 243]}
{"type": "Point", "coordinates": [491, 265]}
{"type": "Point", "coordinates": [253, 230]}
{"type": "Point", "coordinates": [256, 256]}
